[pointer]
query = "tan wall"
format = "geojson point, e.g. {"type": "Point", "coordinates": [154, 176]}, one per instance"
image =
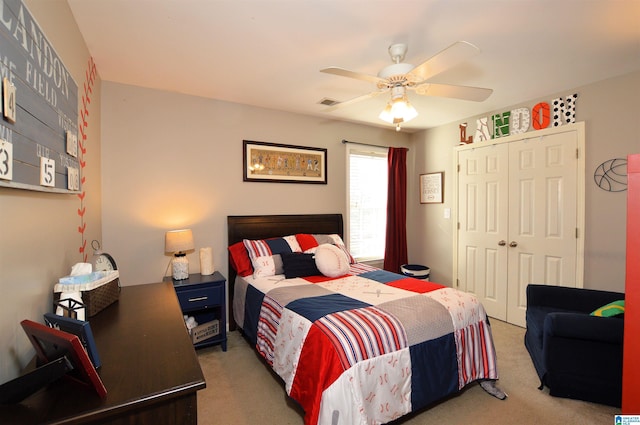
{"type": "Point", "coordinates": [39, 238]}
{"type": "Point", "coordinates": [171, 161]}
{"type": "Point", "coordinates": [610, 113]}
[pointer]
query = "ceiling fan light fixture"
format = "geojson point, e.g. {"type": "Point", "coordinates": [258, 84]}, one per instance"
{"type": "Point", "coordinates": [403, 109]}
{"type": "Point", "coordinates": [385, 115]}
{"type": "Point", "coordinates": [398, 110]}
{"type": "Point", "coordinates": [399, 76]}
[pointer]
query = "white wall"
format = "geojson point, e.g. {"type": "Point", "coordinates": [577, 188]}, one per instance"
{"type": "Point", "coordinates": [171, 161]}
{"type": "Point", "coordinates": [610, 112]}
{"type": "Point", "coordinates": [39, 239]}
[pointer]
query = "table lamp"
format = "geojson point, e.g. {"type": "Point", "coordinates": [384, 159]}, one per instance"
{"type": "Point", "coordinates": [177, 242]}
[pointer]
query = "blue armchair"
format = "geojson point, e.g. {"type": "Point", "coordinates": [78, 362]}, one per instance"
{"type": "Point", "coordinates": [576, 355]}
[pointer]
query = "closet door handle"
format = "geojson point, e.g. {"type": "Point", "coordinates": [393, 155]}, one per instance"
{"type": "Point", "coordinates": [502, 242]}
{"type": "Point", "coordinates": [513, 244]}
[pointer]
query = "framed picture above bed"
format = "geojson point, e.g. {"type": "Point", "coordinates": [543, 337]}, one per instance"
{"type": "Point", "coordinates": [274, 162]}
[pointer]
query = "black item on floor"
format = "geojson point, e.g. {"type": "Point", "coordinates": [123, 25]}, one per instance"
{"type": "Point", "coordinates": [416, 270]}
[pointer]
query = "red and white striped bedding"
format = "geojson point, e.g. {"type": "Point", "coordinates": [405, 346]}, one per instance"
{"type": "Point", "coordinates": [368, 347]}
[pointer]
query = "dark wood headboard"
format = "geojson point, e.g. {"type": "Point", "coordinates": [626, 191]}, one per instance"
{"type": "Point", "coordinates": [271, 226]}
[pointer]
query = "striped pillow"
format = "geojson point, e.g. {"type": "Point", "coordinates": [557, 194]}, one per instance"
{"type": "Point", "coordinates": [265, 254]}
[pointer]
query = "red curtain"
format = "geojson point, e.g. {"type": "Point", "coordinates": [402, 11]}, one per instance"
{"type": "Point", "coordinates": [395, 251]}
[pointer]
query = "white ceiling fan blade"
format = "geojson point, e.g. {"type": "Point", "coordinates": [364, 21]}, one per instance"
{"type": "Point", "coordinates": [476, 94]}
{"type": "Point", "coordinates": [351, 74]}
{"type": "Point", "coordinates": [354, 100]}
{"type": "Point", "coordinates": [447, 58]}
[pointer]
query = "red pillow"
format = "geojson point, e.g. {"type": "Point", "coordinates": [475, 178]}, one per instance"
{"type": "Point", "coordinates": [306, 241]}
{"type": "Point", "coordinates": [239, 259]}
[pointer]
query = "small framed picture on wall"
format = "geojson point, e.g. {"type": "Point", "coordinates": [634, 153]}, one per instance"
{"type": "Point", "coordinates": [431, 188]}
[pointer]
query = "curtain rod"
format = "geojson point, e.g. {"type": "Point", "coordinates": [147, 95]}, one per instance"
{"type": "Point", "coordinates": [368, 144]}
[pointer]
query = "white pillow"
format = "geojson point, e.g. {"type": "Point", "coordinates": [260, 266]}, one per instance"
{"type": "Point", "coordinates": [267, 265]}
{"type": "Point", "coordinates": [331, 260]}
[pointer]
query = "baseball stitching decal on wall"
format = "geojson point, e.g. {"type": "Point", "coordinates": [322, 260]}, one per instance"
{"type": "Point", "coordinates": [90, 75]}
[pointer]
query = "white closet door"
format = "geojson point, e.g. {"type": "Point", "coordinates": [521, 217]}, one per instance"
{"type": "Point", "coordinates": [483, 225]}
{"type": "Point", "coordinates": [542, 244]}
{"type": "Point", "coordinates": [518, 211]}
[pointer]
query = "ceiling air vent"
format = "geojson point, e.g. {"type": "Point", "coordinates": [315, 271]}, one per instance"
{"type": "Point", "coordinates": [328, 102]}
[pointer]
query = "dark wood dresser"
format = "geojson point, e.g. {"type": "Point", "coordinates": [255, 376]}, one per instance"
{"type": "Point", "coordinates": [149, 367]}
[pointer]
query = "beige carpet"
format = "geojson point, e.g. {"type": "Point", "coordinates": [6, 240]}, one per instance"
{"type": "Point", "coordinates": [241, 390]}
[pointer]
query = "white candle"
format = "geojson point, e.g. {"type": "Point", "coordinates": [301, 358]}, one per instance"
{"type": "Point", "coordinates": [206, 261]}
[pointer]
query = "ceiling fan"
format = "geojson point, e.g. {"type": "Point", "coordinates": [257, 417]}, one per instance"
{"type": "Point", "coordinates": [400, 77]}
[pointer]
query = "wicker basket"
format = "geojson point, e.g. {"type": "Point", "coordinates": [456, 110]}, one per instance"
{"type": "Point", "coordinates": [101, 297]}
{"type": "Point", "coordinates": [102, 293]}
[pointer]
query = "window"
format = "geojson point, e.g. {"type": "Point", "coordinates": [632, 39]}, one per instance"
{"type": "Point", "coordinates": [367, 200]}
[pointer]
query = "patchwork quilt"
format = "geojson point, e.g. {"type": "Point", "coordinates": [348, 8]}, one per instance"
{"type": "Point", "coordinates": [368, 347]}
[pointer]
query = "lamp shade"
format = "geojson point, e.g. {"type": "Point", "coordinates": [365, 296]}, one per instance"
{"type": "Point", "coordinates": [398, 109]}
{"type": "Point", "coordinates": [178, 241]}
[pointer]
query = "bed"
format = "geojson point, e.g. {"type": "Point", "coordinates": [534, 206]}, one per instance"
{"type": "Point", "coordinates": [352, 343]}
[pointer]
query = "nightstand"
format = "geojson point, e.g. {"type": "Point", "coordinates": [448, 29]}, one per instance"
{"type": "Point", "coordinates": [203, 297]}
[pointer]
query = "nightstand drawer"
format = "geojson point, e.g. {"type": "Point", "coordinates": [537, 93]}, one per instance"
{"type": "Point", "coordinates": [201, 298]}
